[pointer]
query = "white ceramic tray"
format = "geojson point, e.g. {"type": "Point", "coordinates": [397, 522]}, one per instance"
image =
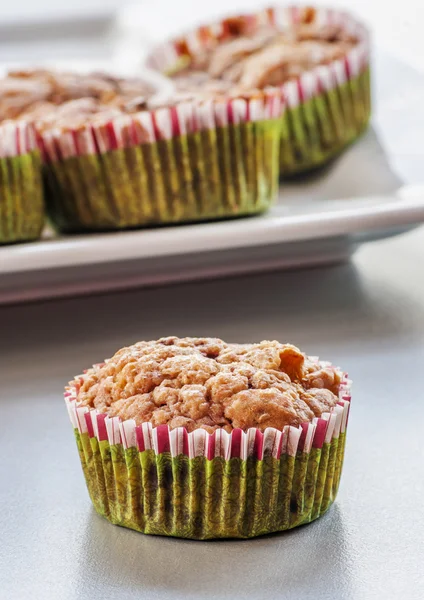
{"type": "Point", "coordinates": [320, 220]}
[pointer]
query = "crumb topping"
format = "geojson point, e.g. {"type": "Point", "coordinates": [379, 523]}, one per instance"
{"type": "Point", "coordinates": [56, 98]}
{"type": "Point", "coordinates": [207, 383]}
{"type": "Point", "coordinates": [266, 57]}
{"type": "Point", "coordinates": [244, 63]}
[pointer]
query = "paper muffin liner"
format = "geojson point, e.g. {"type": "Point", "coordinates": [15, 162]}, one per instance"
{"type": "Point", "coordinates": [21, 193]}
{"type": "Point", "coordinates": [200, 486]}
{"type": "Point", "coordinates": [326, 108]}
{"type": "Point", "coordinates": [190, 162]}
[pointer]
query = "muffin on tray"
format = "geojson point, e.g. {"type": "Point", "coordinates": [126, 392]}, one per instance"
{"type": "Point", "coordinates": [202, 439]}
{"type": "Point", "coordinates": [122, 153]}
{"type": "Point", "coordinates": [318, 58]}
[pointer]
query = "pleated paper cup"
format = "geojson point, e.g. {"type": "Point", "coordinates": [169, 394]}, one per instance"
{"type": "Point", "coordinates": [201, 486]}
{"type": "Point", "coordinates": [21, 193]}
{"type": "Point", "coordinates": [326, 108]}
{"type": "Point", "coordinates": [190, 162]}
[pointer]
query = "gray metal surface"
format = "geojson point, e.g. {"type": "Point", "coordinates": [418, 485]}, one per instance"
{"type": "Point", "coordinates": [367, 316]}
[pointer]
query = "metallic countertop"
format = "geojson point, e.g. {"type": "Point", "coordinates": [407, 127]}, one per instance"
{"type": "Point", "coordinates": [367, 316]}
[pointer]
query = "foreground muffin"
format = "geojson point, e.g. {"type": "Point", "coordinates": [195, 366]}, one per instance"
{"type": "Point", "coordinates": [21, 192]}
{"type": "Point", "coordinates": [319, 58]}
{"type": "Point", "coordinates": [201, 439]}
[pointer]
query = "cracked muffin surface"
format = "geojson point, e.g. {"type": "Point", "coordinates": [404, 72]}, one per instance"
{"type": "Point", "coordinates": [247, 57]}
{"type": "Point", "coordinates": [207, 383]}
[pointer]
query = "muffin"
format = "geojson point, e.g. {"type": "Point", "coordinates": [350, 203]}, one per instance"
{"type": "Point", "coordinates": [21, 193]}
{"type": "Point", "coordinates": [197, 438]}
{"type": "Point", "coordinates": [129, 152]}
{"type": "Point", "coordinates": [318, 58]}
{"type": "Point", "coordinates": [25, 98]}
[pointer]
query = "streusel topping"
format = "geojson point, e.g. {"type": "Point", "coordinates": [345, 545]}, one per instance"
{"type": "Point", "coordinates": [58, 95]}
{"type": "Point", "coordinates": [207, 383]}
{"type": "Point", "coordinates": [249, 58]}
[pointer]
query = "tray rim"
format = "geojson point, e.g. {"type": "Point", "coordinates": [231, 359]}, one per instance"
{"type": "Point", "coordinates": [385, 213]}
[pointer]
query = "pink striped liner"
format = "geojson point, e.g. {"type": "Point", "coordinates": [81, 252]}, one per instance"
{"type": "Point", "coordinates": [16, 138]}
{"type": "Point", "coordinates": [239, 444]}
{"type": "Point", "coordinates": [311, 83]}
{"type": "Point", "coordinates": [150, 126]}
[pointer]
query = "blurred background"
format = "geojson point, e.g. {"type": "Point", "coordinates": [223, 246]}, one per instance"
{"type": "Point", "coordinates": [111, 33]}
{"type": "Point", "coordinates": [88, 28]}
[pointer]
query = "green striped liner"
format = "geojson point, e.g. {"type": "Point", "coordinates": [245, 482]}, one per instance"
{"type": "Point", "coordinates": [21, 193]}
{"type": "Point", "coordinates": [317, 129]}
{"type": "Point", "coordinates": [183, 164]}
{"type": "Point", "coordinates": [201, 486]}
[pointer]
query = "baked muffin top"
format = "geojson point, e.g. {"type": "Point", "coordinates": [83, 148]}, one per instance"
{"type": "Point", "coordinates": [40, 94]}
{"type": "Point", "coordinates": [244, 62]}
{"type": "Point", "coordinates": [209, 384]}
{"type": "Point", "coordinates": [249, 58]}
{"type": "Point", "coordinates": [64, 101]}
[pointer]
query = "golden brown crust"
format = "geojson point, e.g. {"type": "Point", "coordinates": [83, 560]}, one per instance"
{"type": "Point", "coordinates": [244, 63]}
{"type": "Point", "coordinates": [207, 383]}
{"type": "Point", "coordinates": [63, 86]}
{"type": "Point", "coordinates": [16, 95]}
{"type": "Point", "coordinates": [71, 115]}
{"type": "Point", "coordinates": [282, 61]}
{"type": "Point", "coordinates": [53, 98]}
{"type": "Point", "coordinates": [267, 57]}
